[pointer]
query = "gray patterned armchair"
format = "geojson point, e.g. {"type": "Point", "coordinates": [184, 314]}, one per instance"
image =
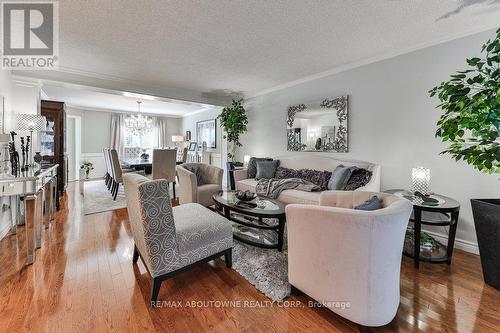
{"type": "Point", "coordinates": [172, 240]}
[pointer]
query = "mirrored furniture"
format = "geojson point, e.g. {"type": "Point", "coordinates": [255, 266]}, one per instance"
{"type": "Point", "coordinates": [33, 196]}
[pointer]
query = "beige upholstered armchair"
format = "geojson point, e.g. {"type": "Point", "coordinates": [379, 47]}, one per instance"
{"type": "Point", "coordinates": [339, 254]}
{"type": "Point", "coordinates": [172, 240]}
{"type": "Point", "coordinates": [191, 191]}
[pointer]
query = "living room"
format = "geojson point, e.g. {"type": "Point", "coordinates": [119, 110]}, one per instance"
{"type": "Point", "coordinates": [298, 166]}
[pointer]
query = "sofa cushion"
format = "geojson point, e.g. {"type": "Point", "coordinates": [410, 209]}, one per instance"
{"type": "Point", "coordinates": [266, 169]}
{"type": "Point", "coordinates": [340, 177]}
{"type": "Point", "coordinates": [373, 203]}
{"type": "Point", "coordinates": [200, 232]}
{"type": "Point", "coordinates": [299, 197]}
{"type": "Point", "coordinates": [316, 177]}
{"type": "Point", "coordinates": [252, 166]}
{"type": "Point", "coordinates": [246, 185]}
{"type": "Point", "coordinates": [194, 168]}
{"type": "Point", "coordinates": [359, 178]}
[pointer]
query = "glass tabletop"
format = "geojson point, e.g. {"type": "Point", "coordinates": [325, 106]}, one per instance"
{"type": "Point", "coordinates": [442, 201]}
{"type": "Point", "coordinates": [258, 205]}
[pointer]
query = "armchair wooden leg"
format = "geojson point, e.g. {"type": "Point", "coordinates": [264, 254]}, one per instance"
{"type": "Point", "coordinates": [155, 290]}
{"type": "Point", "coordinates": [228, 258]}
{"type": "Point", "coordinates": [173, 188]}
{"type": "Point", "coordinates": [136, 254]}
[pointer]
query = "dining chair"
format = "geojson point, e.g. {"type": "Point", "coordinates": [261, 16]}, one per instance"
{"type": "Point", "coordinates": [164, 162]}
{"type": "Point", "coordinates": [117, 172]}
{"type": "Point", "coordinates": [107, 177]}
{"type": "Point", "coordinates": [182, 155]}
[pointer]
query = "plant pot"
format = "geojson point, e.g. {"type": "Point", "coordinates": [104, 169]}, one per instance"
{"type": "Point", "coordinates": [87, 174]}
{"type": "Point", "coordinates": [486, 214]}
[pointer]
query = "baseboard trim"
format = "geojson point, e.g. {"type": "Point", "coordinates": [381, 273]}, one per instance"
{"type": "Point", "coordinates": [461, 244]}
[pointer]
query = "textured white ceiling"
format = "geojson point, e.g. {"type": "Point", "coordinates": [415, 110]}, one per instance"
{"type": "Point", "coordinates": [97, 100]}
{"type": "Point", "coordinates": [217, 47]}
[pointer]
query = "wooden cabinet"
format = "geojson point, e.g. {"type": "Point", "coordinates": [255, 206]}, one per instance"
{"type": "Point", "coordinates": [53, 140]}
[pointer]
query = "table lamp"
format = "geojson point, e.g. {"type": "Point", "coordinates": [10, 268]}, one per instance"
{"type": "Point", "coordinates": [176, 139]}
{"type": "Point", "coordinates": [421, 180]}
{"type": "Point", "coordinates": [31, 123]}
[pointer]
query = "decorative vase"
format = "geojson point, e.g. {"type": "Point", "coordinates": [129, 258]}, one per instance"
{"type": "Point", "coordinates": [87, 174]}
{"type": "Point", "coordinates": [37, 158]}
{"type": "Point", "coordinates": [486, 214]}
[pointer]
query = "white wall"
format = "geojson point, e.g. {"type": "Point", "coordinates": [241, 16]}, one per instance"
{"type": "Point", "coordinates": [391, 122]}
{"type": "Point", "coordinates": [6, 92]}
{"type": "Point", "coordinates": [189, 124]}
{"type": "Point", "coordinates": [96, 135]}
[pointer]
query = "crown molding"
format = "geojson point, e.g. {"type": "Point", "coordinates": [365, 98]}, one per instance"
{"type": "Point", "coordinates": [94, 109]}
{"type": "Point", "coordinates": [367, 61]}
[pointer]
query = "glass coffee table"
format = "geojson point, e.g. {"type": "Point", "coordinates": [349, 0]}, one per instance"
{"type": "Point", "coordinates": [259, 222]}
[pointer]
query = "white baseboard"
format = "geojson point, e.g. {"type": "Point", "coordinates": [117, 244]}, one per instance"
{"type": "Point", "coordinates": [461, 244]}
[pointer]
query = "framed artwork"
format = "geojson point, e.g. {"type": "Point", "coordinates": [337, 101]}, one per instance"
{"type": "Point", "coordinates": [321, 126]}
{"type": "Point", "coordinates": [192, 146]}
{"type": "Point", "coordinates": [206, 131]}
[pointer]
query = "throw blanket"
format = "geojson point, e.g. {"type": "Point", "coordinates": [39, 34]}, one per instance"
{"type": "Point", "coordinates": [272, 188]}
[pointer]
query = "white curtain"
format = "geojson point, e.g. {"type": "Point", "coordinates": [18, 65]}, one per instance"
{"type": "Point", "coordinates": [118, 133]}
{"type": "Point", "coordinates": [160, 132]}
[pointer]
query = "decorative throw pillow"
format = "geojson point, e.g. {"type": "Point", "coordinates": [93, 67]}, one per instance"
{"type": "Point", "coordinates": [340, 177]}
{"type": "Point", "coordinates": [252, 165]}
{"type": "Point", "coordinates": [316, 177]}
{"type": "Point", "coordinates": [373, 203]}
{"type": "Point", "coordinates": [359, 178]}
{"type": "Point", "coordinates": [197, 172]}
{"type": "Point", "coordinates": [266, 169]}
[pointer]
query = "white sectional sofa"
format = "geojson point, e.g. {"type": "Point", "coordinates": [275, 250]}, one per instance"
{"type": "Point", "coordinates": [309, 161]}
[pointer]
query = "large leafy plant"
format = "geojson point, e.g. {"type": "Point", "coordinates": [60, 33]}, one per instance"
{"type": "Point", "coordinates": [471, 104]}
{"type": "Point", "coordinates": [234, 121]}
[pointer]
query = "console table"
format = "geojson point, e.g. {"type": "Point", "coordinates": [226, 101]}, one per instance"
{"type": "Point", "coordinates": [447, 210]}
{"type": "Point", "coordinates": [33, 196]}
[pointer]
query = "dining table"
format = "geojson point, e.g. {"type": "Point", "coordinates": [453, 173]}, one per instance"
{"type": "Point", "coordinates": [141, 164]}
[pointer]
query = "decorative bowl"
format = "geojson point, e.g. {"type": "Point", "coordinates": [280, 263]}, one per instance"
{"type": "Point", "coordinates": [245, 196]}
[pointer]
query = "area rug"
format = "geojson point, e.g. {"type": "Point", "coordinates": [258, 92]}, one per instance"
{"type": "Point", "coordinates": [266, 269]}
{"type": "Point", "coordinates": [98, 199]}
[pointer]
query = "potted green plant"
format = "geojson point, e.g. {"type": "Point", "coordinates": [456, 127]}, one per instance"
{"type": "Point", "coordinates": [234, 121]}
{"type": "Point", "coordinates": [470, 124]}
{"type": "Point", "coordinates": [87, 166]}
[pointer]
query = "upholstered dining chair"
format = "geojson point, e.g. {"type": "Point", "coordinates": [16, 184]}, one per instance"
{"type": "Point", "coordinates": [172, 240]}
{"type": "Point", "coordinates": [182, 155]}
{"type": "Point", "coordinates": [164, 162]}
{"type": "Point", "coordinates": [117, 172]}
{"type": "Point", "coordinates": [198, 182]}
{"type": "Point", "coordinates": [107, 177]}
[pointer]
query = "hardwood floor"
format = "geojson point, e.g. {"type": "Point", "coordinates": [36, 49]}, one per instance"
{"type": "Point", "coordinates": [83, 280]}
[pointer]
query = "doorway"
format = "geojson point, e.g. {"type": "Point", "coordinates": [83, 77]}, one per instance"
{"type": "Point", "coordinates": [73, 146]}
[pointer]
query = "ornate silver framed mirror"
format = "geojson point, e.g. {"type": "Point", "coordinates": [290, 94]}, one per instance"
{"type": "Point", "coordinates": [321, 126]}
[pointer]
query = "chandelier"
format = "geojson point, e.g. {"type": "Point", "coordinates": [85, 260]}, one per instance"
{"type": "Point", "coordinates": [138, 123]}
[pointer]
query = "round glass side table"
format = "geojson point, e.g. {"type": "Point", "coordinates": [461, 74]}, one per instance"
{"type": "Point", "coordinates": [442, 212]}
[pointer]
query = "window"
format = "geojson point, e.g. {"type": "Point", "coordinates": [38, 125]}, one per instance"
{"type": "Point", "coordinates": [135, 140]}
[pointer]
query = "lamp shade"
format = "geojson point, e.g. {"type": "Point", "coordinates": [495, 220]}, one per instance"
{"type": "Point", "coordinates": [31, 122]}
{"type": "Point", "coordinates": [177, 138]}
{"type": "Point", "coordinates": [421, 180]}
